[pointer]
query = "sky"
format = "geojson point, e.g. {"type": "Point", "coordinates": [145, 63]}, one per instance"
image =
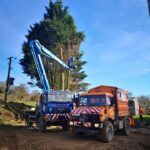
{"type": "Point", "coordinates": [116, 47]}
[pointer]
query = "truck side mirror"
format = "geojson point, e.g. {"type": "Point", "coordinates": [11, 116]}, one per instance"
{"type": "Point", "coordinates": [75, 101]}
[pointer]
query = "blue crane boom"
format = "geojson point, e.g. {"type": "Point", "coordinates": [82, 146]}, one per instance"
{"type": "Point", "coordinates": [37, 49]}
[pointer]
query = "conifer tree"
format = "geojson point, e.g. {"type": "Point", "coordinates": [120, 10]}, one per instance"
{"type": "Point", "coordinates": [58, 33]}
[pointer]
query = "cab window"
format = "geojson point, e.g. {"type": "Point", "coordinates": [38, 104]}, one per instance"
{"type": "Point", "coordinates": [96, 100]}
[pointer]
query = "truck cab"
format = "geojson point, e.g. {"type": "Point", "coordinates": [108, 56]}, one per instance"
{"type": "Point", "coordinates": [54, 110]}
{"type": "Point", "coordinates": [103, 110]}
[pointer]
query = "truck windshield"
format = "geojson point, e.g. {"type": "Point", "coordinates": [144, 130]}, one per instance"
{"type": "Point", "coordinates": [93, 100]}
{"type": "Point", "coordinates": [60, 96]}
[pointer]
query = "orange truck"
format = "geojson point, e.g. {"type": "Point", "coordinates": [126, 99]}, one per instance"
{"type": "Point", "coordinates": [102, 110]}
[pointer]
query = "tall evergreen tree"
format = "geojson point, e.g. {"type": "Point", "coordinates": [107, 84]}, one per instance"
{"type": "Point", "coordinates": [58, 33]}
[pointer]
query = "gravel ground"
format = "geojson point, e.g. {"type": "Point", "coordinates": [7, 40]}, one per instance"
{"type": "Point", "coordinates": [20, 138]}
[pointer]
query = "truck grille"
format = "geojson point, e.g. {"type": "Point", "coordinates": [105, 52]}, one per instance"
{"type": "Point", "coordinates": [86, 117]}
{"type": "Point", "coordinates": [75, 118]}
{"type": "Point", "coordinates": [93, 117]}
{"type": "Point", "coordinates": [62, 118]}
{"type": "Point", "coordinates": [61, 110]}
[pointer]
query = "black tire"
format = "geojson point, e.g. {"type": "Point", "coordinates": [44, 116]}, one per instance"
{"type": "Point", "coordinates": [41, 125]}
{"type": "Point", "coordinates": [126, 127]}
{"type": "Point", "coordinates": [107, 133]}
{"type": "Point", "coordinates": [65, 126]}
{"type": "Point", "coordinates": [73, 131]}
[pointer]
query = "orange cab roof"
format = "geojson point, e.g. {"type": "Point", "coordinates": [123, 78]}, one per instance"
{"type": "Point", "coordinates": [97, 93]}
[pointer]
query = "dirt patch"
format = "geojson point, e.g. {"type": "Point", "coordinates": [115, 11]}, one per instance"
{"type": "Point", "coordinates": [20, 138]}
{"type": "Point", "coordinates": [8, 141]}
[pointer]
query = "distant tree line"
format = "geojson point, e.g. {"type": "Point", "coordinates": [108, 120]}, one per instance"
{"type": "Point", "coordinates": [18, 93]}
{"type": "Point", "coordinates": [144, 101]}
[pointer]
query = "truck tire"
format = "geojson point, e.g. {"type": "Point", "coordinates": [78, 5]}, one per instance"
{"type": "Point", "coordinates": [74, 132]}
{"type": "Point", "coordinates": [65, 126]}
{"type": "Point", "coordinates": [126, 127]}
{"type": "Point", "coordinates": [107, 133]}
{"type": "Point", "coordinates": [41, 125]}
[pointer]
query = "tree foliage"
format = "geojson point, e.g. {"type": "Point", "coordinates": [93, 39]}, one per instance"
{"type": "Point", "coordinates": [19, 93]}
{"type": "Point", "coordinates": [58, 33]}
{"type": "Point", "coordinates": [35, 96]}
{"type": "Point", "coordinates": [2, 87]}
{"type": "Point", "coordinates": [144, 101]}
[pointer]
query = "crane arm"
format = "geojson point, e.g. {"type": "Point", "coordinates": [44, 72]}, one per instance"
{"type": "Point", "coordinates": [37, 49]}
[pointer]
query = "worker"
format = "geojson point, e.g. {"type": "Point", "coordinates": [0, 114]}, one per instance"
{"type": "Point", "coordinates": [141, 112]}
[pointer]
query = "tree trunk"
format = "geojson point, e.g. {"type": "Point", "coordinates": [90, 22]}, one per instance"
{"type": "Point", "coordinates": [62, 74]}
{"type": "Point", "coordinates": [68, 78]}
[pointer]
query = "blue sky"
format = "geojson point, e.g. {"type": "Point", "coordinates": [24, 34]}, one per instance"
{"type": "Point", "coordinates": [116, 47]}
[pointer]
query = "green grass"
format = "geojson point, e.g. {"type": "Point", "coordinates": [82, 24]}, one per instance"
{"type": "Point", "coordinates": [146, 119]}
{"type": "Point", "coordinates": [29, 103]}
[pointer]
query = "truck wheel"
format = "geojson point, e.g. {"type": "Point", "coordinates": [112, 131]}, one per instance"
{"type": "Point", "coordinates": [65, 126]}
{"type": "Point", "coordinates": [126, 127]}
{"type": "Point", "coordinates": [107, 133]}
{"type": "Point", "coordinates": [41, 125]}
{"type": "Point", "coordinates": [74, 132]}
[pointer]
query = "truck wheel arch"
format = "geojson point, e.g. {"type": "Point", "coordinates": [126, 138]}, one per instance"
{"type": "Point", "coordinates": [109, 119]}
{"type": "Point", "coordinates": [38, 114]}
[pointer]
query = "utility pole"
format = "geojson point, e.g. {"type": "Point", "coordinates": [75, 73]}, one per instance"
{"type": "Point", "coordinates": [8, 77]}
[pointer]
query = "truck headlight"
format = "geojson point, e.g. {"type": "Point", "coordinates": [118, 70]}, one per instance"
{"type": "Point", "coordinates": [96, 125]}
{"type": "Point", "coordinates": [71, 123]}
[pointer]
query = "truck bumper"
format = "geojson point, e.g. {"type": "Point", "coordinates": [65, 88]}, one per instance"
{"type": "Point", "coordinates": [86, 125]}
{"type": "Point", "coordinates": [57, 117]}
{"type": "Point", "coordinates": [84, 130]}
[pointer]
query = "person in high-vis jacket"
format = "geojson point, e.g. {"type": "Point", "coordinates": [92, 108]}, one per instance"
{"type": "Point", "coordinates": [141, 112]}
